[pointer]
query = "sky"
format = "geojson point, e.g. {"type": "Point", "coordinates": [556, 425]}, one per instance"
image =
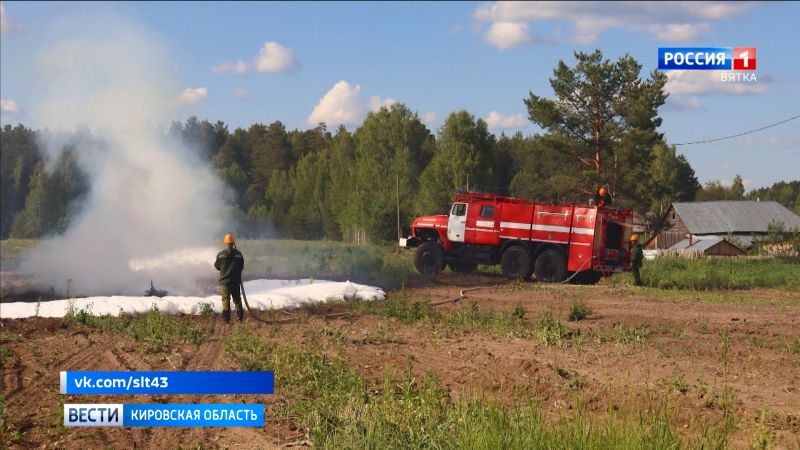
{"type": "Point", "coordinates": [307, 62]}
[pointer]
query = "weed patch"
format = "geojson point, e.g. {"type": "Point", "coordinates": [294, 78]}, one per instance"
{"type": "Point", "coordinates": [622, 333]}
{"type": "Point", "coordinates": [206, 309]}
{"type": "Point", "coordinates": [498, 323]}
{"type": "Point", "coordinates": [550, 331]}
{"type": "Point", "coordinates": [579, 310]}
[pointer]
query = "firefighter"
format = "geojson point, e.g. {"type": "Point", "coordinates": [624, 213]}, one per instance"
{"type": "Point", "coordinates": [602, 198]}
{"type": "Point", "coordinates": [230, 263]}
{"type": "Point", "coordinates": [637, 256]}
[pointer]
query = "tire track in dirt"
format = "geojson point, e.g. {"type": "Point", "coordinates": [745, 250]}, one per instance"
{"type": "Point", "coordinates": [13, 382]}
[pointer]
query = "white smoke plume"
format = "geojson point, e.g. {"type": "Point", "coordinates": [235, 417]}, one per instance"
{"type": "Point", "coordinates": [150, 197]}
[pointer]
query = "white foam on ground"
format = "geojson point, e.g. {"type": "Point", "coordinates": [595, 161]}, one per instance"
{"type": "Point", "coordinates": [261, 294]}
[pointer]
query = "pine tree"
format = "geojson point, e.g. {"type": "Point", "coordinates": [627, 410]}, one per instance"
{"type": "Point", "coordinates": [606, 118]}
{"type": "Point", "coordinates": [737, 188]}
{"type": "Point", "coordinates": [269, 152]}
{"type": "Point", "coordinates": [18, 159]}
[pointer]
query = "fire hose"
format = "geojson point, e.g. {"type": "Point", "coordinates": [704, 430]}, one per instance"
{"type": "Point", "coordinates": [463, 291]}
{"type": "Point", "coordinates": [279, 321]}
{"type": "Point", "coordinates": [461, 295]}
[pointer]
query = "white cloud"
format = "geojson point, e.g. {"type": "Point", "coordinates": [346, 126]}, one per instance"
{"type": "Point", "coordinates": [10, 107]}
{"type": "Point", "coordinates": [375, 103]}
{"type": "Point", "coordinates": [497, 120]}
{"type": "Point", "coordinates": [5, 25]}
{"type": "Point", "coordinates": [236, 67]}
{"type": "Point", "coordinates": [677, 103]}
{"type": "Point", "coordinates": [784, 141]}
{"type": "Point", "coordinates": [272, 58]}
{"type": "Point", "coordinates": [275, 58]}
{"type": "Point", "coordinates": [668, 21]}
{"type": "Point", "coordinates": [192, 96]}
{"type": "Point", "coordinates": [429, 118]}
{"type": "Point", "coordinates": [343, 105]}
{"type": "Point", "coordinates": [678, 32]}
{"type": "Point", "coordinates": [340, 105]}
{"type": "Point", "coordinates": [505, 35]}
{"type": "Point", "coordinates": [242, 93]}
{"type": "Point", "coordinates": [707, 82]}
{"type": "Point", "coordinates": [726, 166]}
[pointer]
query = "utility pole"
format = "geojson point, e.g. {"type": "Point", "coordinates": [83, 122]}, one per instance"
{"type": "Point", "coordinates": [398, 207]}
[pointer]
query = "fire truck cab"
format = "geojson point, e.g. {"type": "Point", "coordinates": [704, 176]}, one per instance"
{"type": "Point", "coordinates": [553, 242]}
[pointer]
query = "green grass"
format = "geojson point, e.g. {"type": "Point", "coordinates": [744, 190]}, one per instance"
{"type": "Point", "coordinates": [714, 297]}
{"type": "Point", "coordinates": [7, 358]}
{"type": "Point", "coordinates": [547, 328]}
{"type": "Point", "coordinates": [465, 318]}
{"type": "Point", "coordinates": [499, 323]}
{"type": "Point", "coordinates": [793, 347]}
{"type": "Point", "coordinates": [293, 259]}
{"type": "Point", "coordinates": [718, 273]}
{"type": "Point", "coordinates": [154, 330]}
{"type": "Point", "coordinates": [342, 410]}
{"type": "Point", "coordinates": [550, 330]}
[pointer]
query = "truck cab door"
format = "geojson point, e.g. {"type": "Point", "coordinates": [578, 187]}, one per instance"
{"type": "Point", "coordinates": [457, 222]}
{"type": "Point", "coordinates": [481, 224]}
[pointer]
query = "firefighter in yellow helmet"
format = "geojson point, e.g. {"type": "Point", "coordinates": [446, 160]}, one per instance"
{"type": "Point", "coordinates": [637, 256]}
{"type": "Point", "coordinates": [230, 263]}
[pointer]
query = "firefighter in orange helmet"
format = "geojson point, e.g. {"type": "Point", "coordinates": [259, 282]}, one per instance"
{"type": "Point", "coordinates": [230, 263]}
{"type": "Point", "coordinates": [602, 198]}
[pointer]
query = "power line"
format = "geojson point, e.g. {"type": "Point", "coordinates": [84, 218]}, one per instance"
{"type": "Point", "coordinates": [705, 141]}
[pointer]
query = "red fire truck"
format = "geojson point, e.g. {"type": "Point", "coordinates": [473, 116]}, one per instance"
{"type": "Point", "coordinates": [552, 241]}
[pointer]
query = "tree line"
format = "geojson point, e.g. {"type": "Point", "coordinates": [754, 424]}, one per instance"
{"type": "Point", "coordinates": [600, 129]}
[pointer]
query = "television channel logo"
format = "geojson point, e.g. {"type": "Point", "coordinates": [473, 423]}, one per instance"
{"type": "Point", "coordinates": [707, 58]}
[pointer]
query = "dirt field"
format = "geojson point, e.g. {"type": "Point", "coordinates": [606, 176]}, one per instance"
{"type": "Point", "coordinates": [703, 355]}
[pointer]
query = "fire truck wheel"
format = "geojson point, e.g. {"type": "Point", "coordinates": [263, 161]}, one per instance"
{"type": "Point", "coordinates": [550, 266]}
{"type": "Point", "coordinates": [516, 262]}
{"type": "Point", "coordinates": [429, 258]}
{"type": "Point", "coordinates": [461, 267]}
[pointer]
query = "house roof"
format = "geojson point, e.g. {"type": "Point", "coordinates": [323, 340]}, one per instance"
{"type": "Point", "coordinates": [745, 240]}
{"type": "Point", "coordinates": [697, 245]}
{"type": "Point", "coordinates": [734, 216]}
